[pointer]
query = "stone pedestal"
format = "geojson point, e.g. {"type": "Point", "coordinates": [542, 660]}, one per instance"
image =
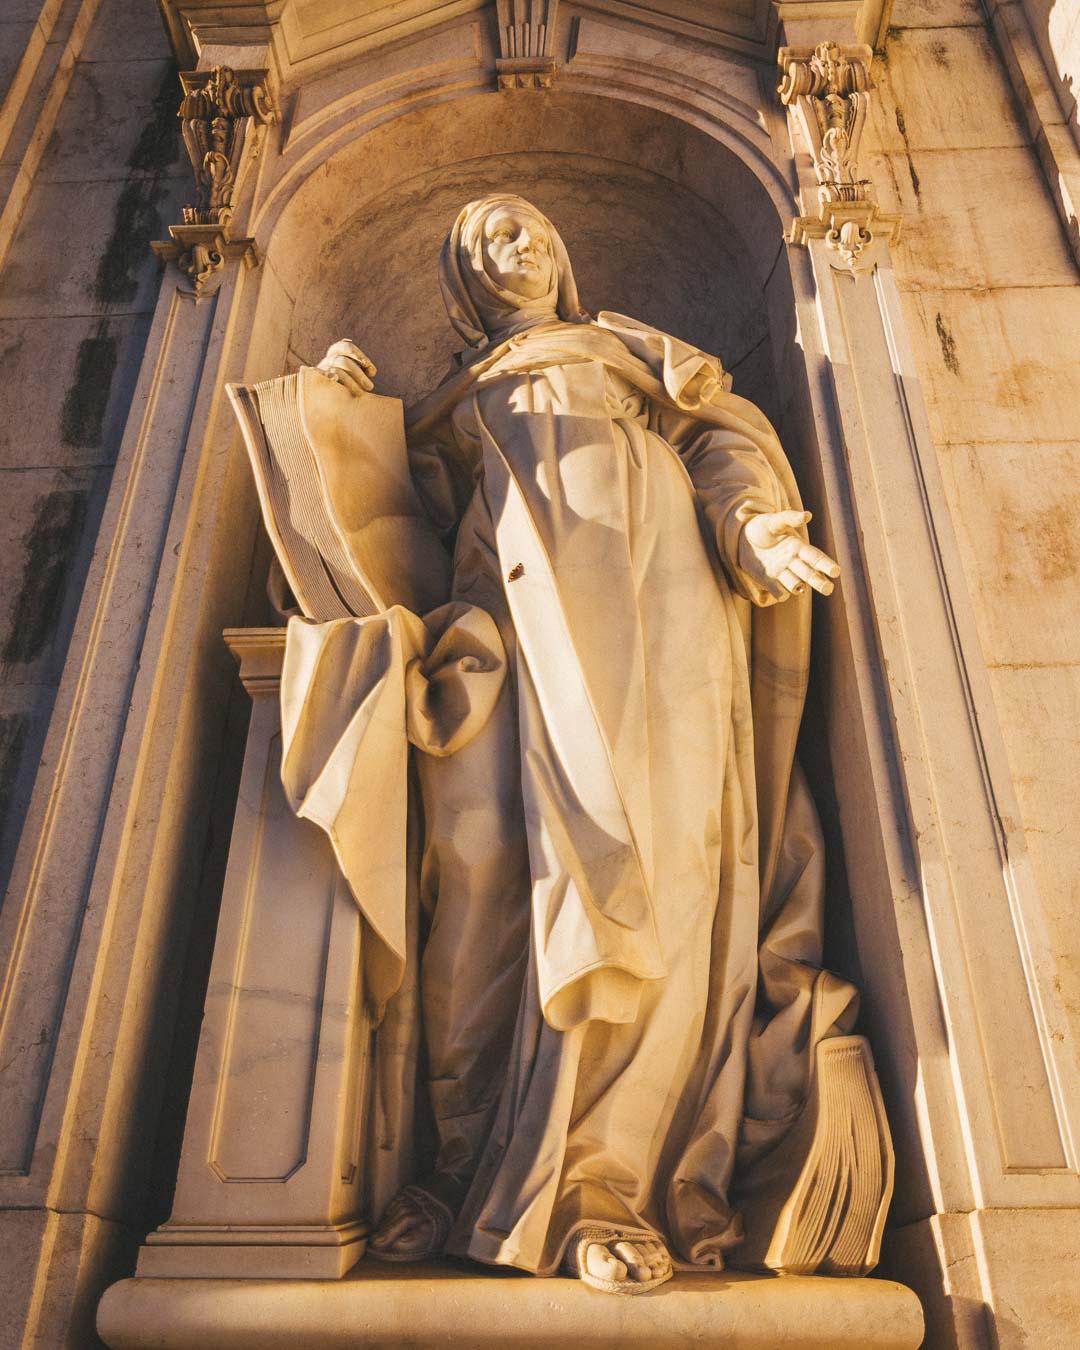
{"type": "Point", "coordinates": [416, 1308]}
{"type": "Point", "coordinates": [270, 1175]}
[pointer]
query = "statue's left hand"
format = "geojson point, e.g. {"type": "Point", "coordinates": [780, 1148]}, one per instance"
{"type": "Point", "coordinates": [774, 555]}
{"type": "Point", "coordinates": [347, 365]}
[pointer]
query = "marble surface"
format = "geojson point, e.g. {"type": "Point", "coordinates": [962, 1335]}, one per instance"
{"type": "Point", "coordinates": [983, 250]}
{"type": "Point", "coordinates": [378, 1307]}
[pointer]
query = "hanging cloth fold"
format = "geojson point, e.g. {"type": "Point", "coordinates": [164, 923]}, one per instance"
{"type": "Point", "coordinates": [354, 694]}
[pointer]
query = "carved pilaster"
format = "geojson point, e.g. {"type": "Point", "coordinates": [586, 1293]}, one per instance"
{"type": "Point", "coordinates": [828, 90]}
{"type": "Point", "coordinates": [223, 113]}
{"type": "Point", "coordinates": [526, 28]}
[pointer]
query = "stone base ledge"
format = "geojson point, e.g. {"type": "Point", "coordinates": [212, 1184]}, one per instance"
{"type": "Point", "coordinates": [419, 1307]}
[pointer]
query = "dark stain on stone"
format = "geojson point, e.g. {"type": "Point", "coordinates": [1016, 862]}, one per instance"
{"type": "Point", "coordinates": [136, 218]}
{"type": "Point", "coordinates": [13, 728]}
{"type": "Point", "coordinates": [83, 413]}
{"type": "Point", "coordinates": [1050, 533]}
{"type": "Point", "coordinates": [901, 126]}
{"type": "Point", "coordinates": [948, 345]}
{"type": "Point", "coordinates": [939, 54]}
{"type": "Point", "coordinates": [49, 550]}
{"type": "Point", "coordinates": [158, 145]}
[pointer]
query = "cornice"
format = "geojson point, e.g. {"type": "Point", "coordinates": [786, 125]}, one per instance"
{"type": "Point", "coordinates": [310, 35]}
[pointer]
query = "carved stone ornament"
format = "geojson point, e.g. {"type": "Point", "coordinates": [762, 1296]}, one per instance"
{"type": "Point", "coordinates": [525, 32]}
{"type": "Point", "coordinates": [201, 251]}
{"type": "Point", "coordinates": [828, 89]}
{"type": "Point", "coordinates": [223, 112]}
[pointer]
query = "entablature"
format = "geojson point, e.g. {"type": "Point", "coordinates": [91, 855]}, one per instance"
{"type": "Point", "coordinates": [311, 35]}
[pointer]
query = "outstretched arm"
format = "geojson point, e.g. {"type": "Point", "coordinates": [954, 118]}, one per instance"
{"type": "Point", "coordinates": [760, 537]}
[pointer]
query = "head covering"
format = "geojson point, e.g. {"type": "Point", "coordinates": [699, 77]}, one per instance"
{"type": "Point", "coordinates": [479, 308]}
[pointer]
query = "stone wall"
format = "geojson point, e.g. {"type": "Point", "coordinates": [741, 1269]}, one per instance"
{"type": "Point", "coordinates": [90, 170]}
{"type": "Point", "coordinates": [991, 292]}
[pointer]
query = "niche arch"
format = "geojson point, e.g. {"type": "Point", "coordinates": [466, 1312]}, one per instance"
{"type": "Point", "coordinates": [673, 211]}
{"type": "Point", "coordinates": [365, 201]}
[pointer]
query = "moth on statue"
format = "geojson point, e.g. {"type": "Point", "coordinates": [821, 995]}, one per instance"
{"type": "Point", "coordinates": [572, 588]}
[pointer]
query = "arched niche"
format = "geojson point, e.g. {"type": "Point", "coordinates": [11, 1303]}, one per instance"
{"type": "Point", "coordinates": [672, 220]}
{"type": "Point", "coordinates": [663, 221]}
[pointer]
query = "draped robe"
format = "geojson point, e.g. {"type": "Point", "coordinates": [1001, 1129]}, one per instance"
{"type": "Point", "coordinates": [621, 864]}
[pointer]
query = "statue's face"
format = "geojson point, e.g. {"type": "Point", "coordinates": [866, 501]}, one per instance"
{"type": "Point", "coordinates": [517, 253]}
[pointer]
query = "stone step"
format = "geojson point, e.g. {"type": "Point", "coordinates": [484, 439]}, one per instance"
{"type": "Point", "coordinates": [379, 1307]}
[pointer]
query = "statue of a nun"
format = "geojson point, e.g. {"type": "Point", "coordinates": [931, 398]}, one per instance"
{"type": "Point", "coordinates": [621, 868]}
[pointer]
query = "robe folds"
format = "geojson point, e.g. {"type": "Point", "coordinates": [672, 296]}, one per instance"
{"type": "Point", "coordinates": [621, 866]}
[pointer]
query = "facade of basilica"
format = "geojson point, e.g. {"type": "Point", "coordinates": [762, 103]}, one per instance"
{"type": "Point", "coordinates": [247, 1003]}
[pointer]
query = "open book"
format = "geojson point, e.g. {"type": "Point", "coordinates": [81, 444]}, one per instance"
{"type": "Point", "coordinates": [339, 505]}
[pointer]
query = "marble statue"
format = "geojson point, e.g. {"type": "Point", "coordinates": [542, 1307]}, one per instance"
{"type": "Point", "coordinates": [595, 637]}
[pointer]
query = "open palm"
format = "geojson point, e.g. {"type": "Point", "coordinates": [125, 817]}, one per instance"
{"type": "Point", "coordinates": [774, 554]}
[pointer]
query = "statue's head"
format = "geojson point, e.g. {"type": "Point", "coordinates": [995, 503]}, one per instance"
{"type": "Point", "coordinates": [515, 245]}
{"type": "Point", "coordinates": [504, 266]}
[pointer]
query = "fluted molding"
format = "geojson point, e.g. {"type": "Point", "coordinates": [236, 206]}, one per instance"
{"type": "Point", "coordinates": [526, 28]}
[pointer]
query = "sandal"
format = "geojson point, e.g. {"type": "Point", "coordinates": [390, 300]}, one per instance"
{"type": "Point", "coordinates": [423, 1205]}
{"type": "Point", "coordinates": [578, 1264]}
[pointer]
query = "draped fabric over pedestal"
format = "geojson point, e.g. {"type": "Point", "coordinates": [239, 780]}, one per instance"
{"type": "Point", "coordinates": [354, 694]}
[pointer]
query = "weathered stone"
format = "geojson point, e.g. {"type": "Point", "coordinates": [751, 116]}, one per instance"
{"type": "Point", "coordinates": [929, 408]}
{"type": "Point", "coordinates": [1000, 365]}
{"type": "Point", "coordinates": [79, 416]}
{"type": "Point", "coordinates": [943, 88]}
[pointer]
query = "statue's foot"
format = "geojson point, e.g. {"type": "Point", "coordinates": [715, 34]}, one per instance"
{"type": "Point", "coordinates": [619, 1263]}
{"type": "Point", "coordinates": [414, 1227]}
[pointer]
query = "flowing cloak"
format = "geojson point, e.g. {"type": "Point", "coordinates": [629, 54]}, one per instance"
{"type": "Point", "coordinates": [598, 955]}
{"type": "Point", "coordinates": [749, 475]}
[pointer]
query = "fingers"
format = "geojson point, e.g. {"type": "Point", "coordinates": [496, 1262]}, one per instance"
{"type": "Point", "coordinates": [790, 520]}
{"type": "Point", "coordinates": [790, 582]}
{"type": "Point", "coordinates": [353, 379]}
{"type": "Point", "coordinates": [347, 348]}
{"type": "Point", "coordinates": [821, 562]}
{"type": "Point", "coordinates": [346, 364]}
{"type": "Point", "coordinates": [811, 576]}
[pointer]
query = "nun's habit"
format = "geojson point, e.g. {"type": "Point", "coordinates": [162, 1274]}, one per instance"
{"type": "Point", "coordinates": [622, 870]}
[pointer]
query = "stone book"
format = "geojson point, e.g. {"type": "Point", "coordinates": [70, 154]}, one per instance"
{"type": "Point", "coordinates": [337, 500]}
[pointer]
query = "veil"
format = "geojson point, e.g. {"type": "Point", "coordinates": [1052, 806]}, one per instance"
{"type": "Point", "coordinates": [478, 307]}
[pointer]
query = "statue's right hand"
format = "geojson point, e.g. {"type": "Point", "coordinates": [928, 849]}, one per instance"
{"type": "Point", "coordinates": [347, 365]}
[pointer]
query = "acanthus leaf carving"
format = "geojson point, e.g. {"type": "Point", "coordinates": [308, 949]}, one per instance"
{"type": "Point", "coordinates": [218, 111]}
{"type": "Point", "coordinates": [526, 28]}
{"type": "Point", "coordinates": [223, 113]}
{"type": "Point", "coordinates": [828, 90]}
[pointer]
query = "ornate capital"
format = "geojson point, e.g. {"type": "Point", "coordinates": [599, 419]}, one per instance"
{"type": "Point", "coordinates": [218, 111]}
{"type": "Point", "coordinates": [526, 28]}
{"type": "Point", "coordinates": [201, 252]}
{"type": "Point", "coordinates": [223, 112]}
{"type": "Point", "coordinates": [828, 90]}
